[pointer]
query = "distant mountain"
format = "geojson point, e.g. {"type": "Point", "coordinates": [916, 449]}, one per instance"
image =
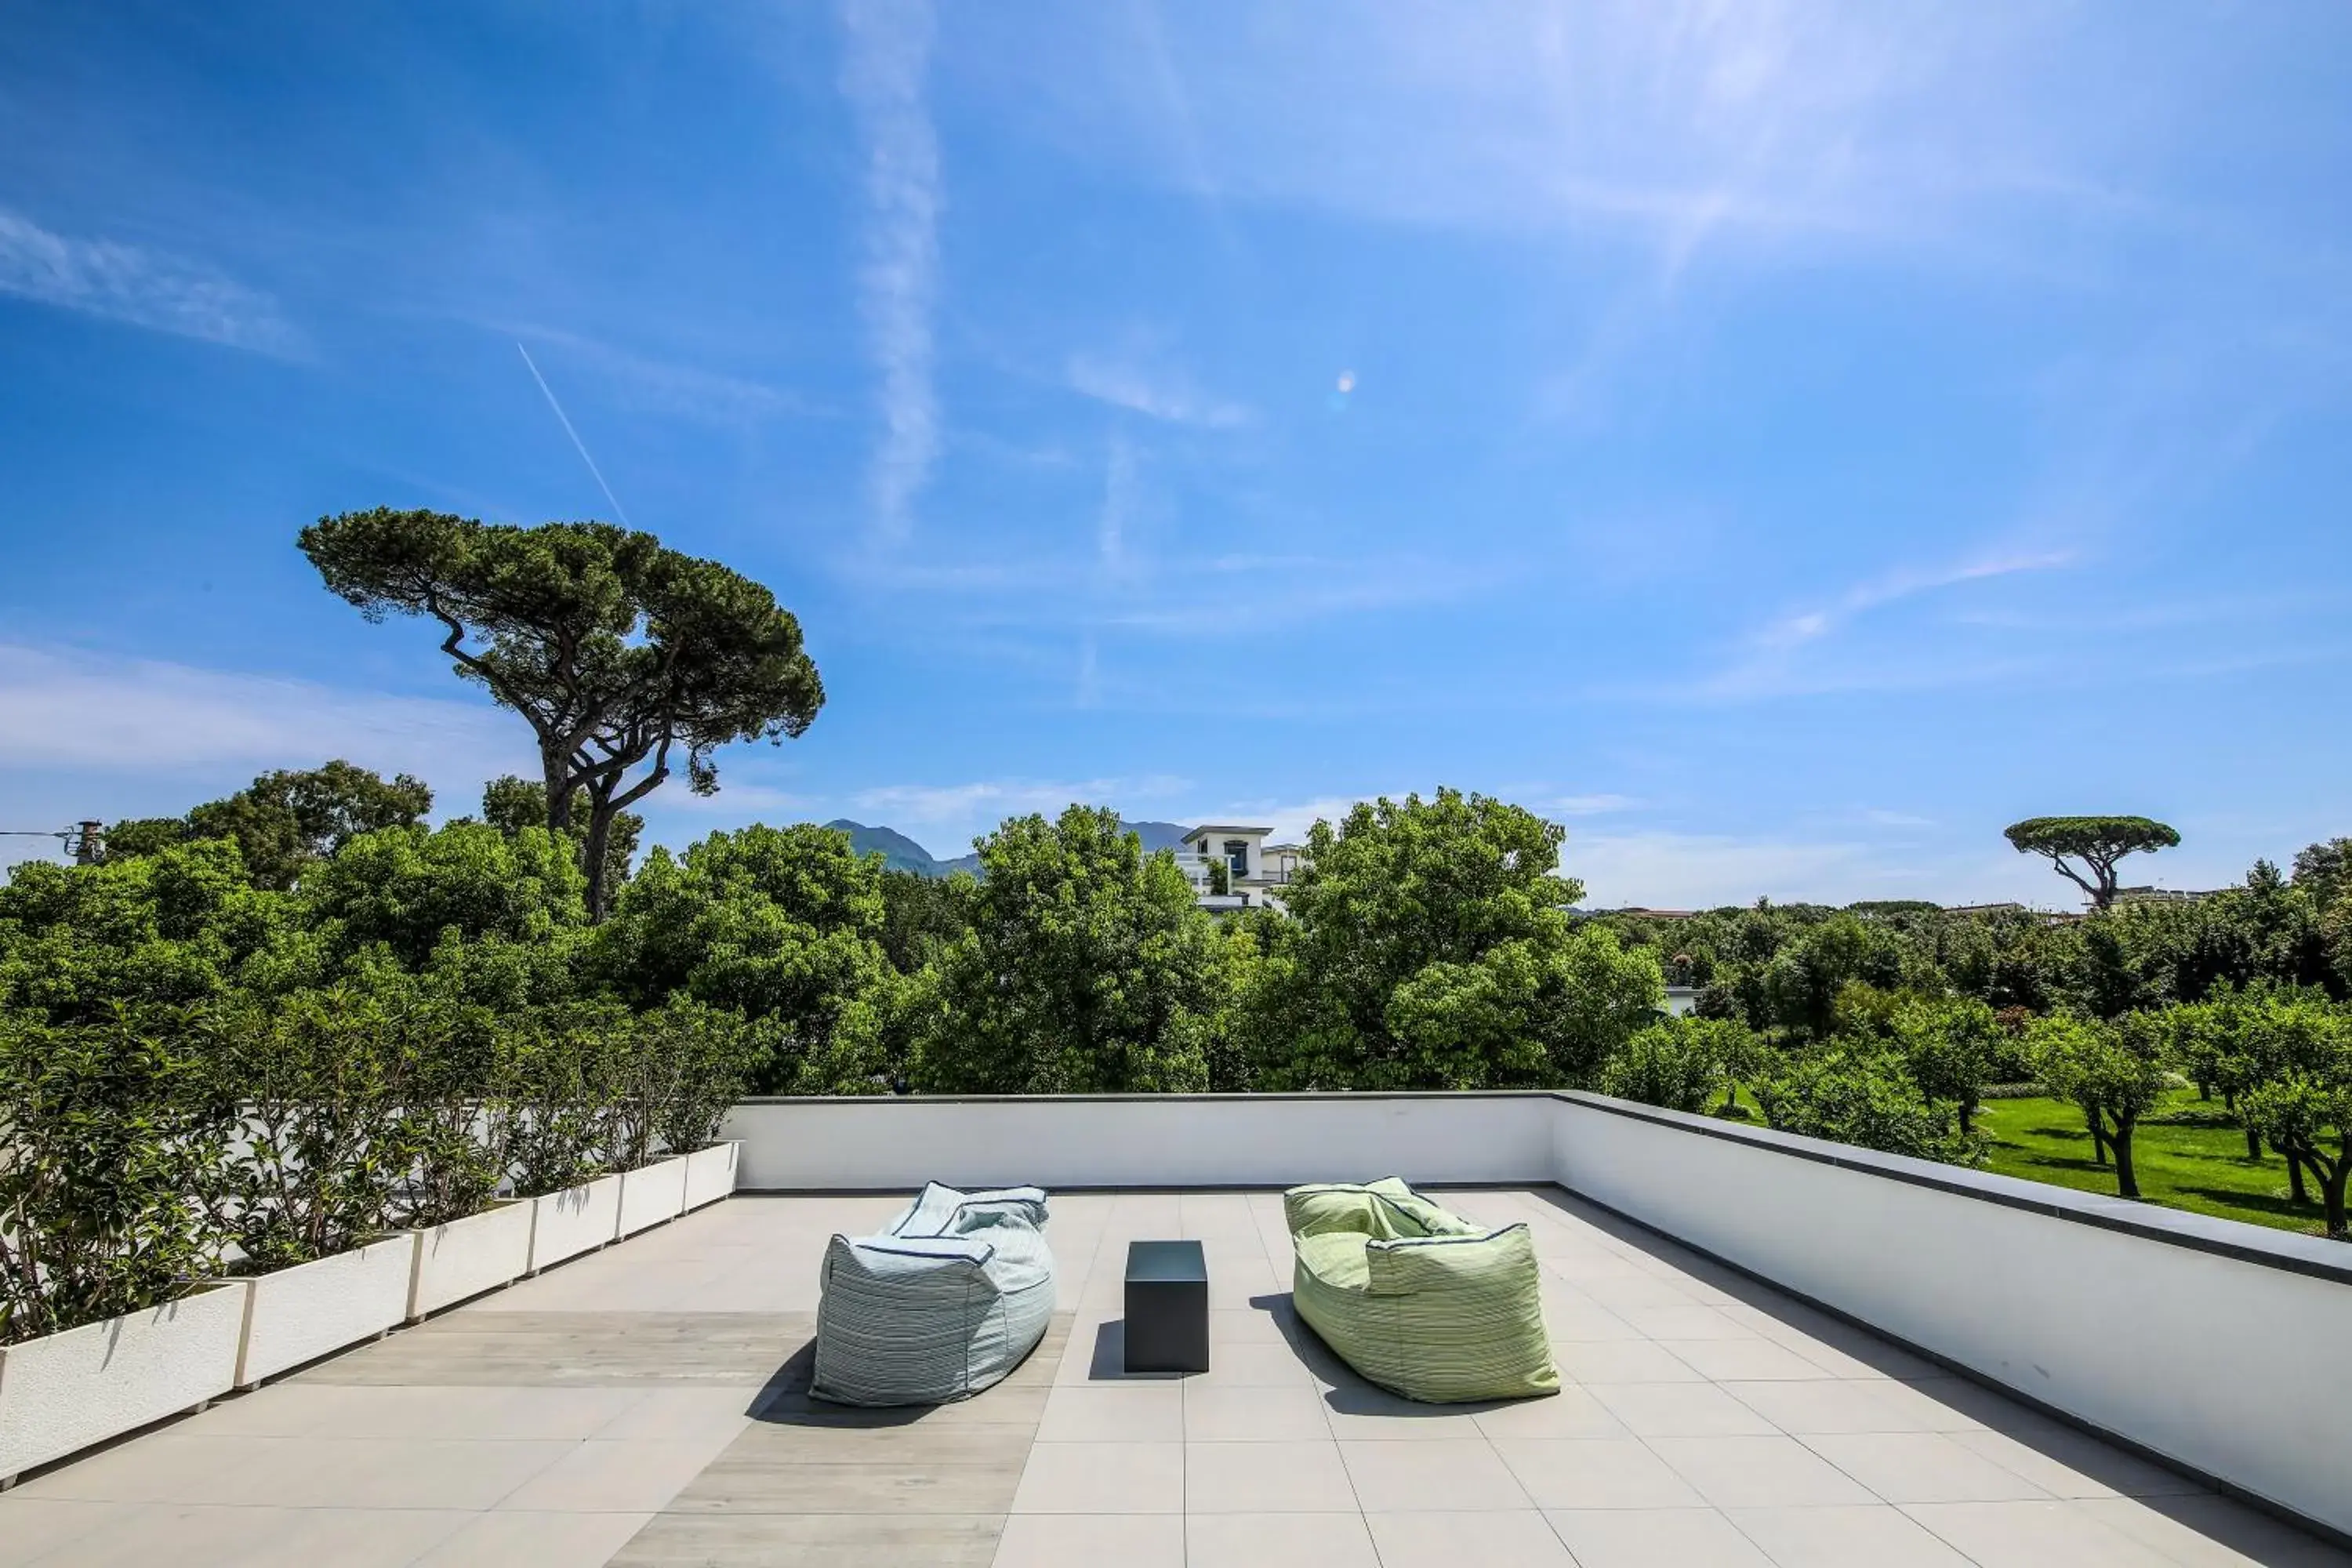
{"type": "Point", "coordinates": [900, 853]}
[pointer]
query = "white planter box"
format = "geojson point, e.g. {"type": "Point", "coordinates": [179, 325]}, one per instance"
{"type": "Point", "coordinates": [302, 1313]}
{"type": "Point", "coordinates": [469, 1255]}
{"type": "Point", "coordinates": [652, 1195]}
{"type": "Point", "coordinates": [573, 1221]}
{"type": "Point", "coordinates": [62, 1393]}
{"type": "Point", "coordinates": [710, 1173]}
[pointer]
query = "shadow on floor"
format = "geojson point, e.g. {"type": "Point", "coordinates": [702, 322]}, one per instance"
{"type": "Point", "coordinates": [2186, 1501]}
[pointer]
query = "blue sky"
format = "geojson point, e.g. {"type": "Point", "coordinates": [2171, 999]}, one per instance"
{"type": "Point", "coordinates": [1784, 443]}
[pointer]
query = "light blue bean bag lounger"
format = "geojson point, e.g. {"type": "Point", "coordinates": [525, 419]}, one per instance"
{"type": "Point", "coordinates": [943, 1302]}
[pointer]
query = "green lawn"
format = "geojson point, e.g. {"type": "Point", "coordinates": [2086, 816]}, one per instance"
{"type": "Point", "coordinates": [2198, 1162]}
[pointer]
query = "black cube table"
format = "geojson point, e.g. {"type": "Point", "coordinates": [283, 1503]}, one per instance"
{"type": "Point", "coordinates": [1167, 1307]}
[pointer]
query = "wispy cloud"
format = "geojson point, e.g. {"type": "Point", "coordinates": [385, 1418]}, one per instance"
{"type": "Point", "coordinates": [60, 709]}
{"type": "Point", "coordinates": [1807, 626]}
{"type": "Point", "coordinates": [647, 384]}
{"type": "Point", "coordinates": [144, 288]}
{"type": "Point", "coordinates": [1590, 804]}
{"type": "Point", "coordinates": [887, 56]}
{"type": "Point", "coordinates": [1158, 394]}
{"type": "Point", "coordinates": [957, 811]}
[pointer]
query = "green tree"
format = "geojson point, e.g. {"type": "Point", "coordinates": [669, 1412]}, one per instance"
{"type": "Point", "coordinates": [2114, 1069]}
{"type": "Point", "coordinates": [619, 653]}
{"type": "Point", "coordinates": [408, 887]}
{"type": "Point", "coordinates": [1860, 1092]}
{"type": "Point", "coordinates": [2099, 842]}
{"type": "Point", "coordinates": [1677, 1063]}
{"type": "Point", "coordinates": [512, 805]}
{"type": "Point", "coordinates": [1428, 947]}
{"type": "Point", "coordinates": [781, 925]}
{"type": "Point", "coordinates": [1952, 1046]}
{"type": "Point", "coordinates": [2304, 1106]}
{"type": "Point", "coordinates": [286, 821]}
{"type": "Point", "coordinates": [2325, 869]}
{"type": "Point", "coordinates": [1088, 969]}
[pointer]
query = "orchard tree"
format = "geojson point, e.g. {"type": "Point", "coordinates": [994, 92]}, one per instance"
{"type": "Point", "coordinates": [2304, 1106]}
{"type": "Point", "coordinates": [2114, 1069]}
{"type": "Point", "coordinates": [1088, 969]}
{"type": "Point", "coordinates": [2325, 869]}
{"type": "Point", "coordinates": [2099, 842]}
{"type": "Point", "coordinates": [620, 654]}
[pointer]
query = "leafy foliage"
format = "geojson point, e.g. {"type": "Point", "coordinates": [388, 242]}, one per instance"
{"type": "Point", "coordinates": [618, 652]}
{"type": "Point", "coordinates": [1087, 968]}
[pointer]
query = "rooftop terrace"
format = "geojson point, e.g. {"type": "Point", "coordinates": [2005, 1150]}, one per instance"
{"type": "Point", "coordinates": [647, 1406]}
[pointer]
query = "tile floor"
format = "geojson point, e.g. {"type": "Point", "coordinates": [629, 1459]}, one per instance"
{"type": "Point", "coordinates": [636, 1407]}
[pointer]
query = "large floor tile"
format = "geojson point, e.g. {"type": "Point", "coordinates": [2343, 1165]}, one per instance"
{"type": "Point", "coordinates": [1114, 1413]}
{"type": "Point", "coordinates": [602, 1477]}
{"type": "Point", "coordinates": [1595, 1473]}
{"type": "Point", "coordinates": [1664, 1537]}
{"type": "Point", "coordinates": [2032, 1535]}
{"type": "Point", "coordinates": [514, 1540]}
{"type": "Point", "coordinates": [1281, 1415]}
{"type": "Point", "coordinates": [1758, 1472]}
{"type": "Point", "coordinates": [1922, 1466]}
{"type": "Point", "coordinates": [1266, 1478]}
{"type": "Point", "coordinates": [1596, 1362]}
{"type": "Point", "coordinates": [1458, 1477]}
{"type": "Point", "coordinates": [1875, 1535]}
{"type": "Point", "coordinates": [1092, 1540]}
{"type": "Point", "coordinates": [1571, 1413]}
{"type": "Point", "coordinates": [1102, 1478]}
{"type": "Point", "coordinates": [1680, 1410]}
{"type": "Point", "coordinates": [2210, 1531]}
{"type": "Point", "coordinates": [1279, 1541]}
{"type": "Point", "coordinates": [1518, 1539]}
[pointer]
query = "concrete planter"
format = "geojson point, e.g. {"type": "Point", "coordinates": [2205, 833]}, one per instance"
{"type": "Point", "coordinates": [653, 1193]}
{"type": "Point", "coordinates": [62, 1393]}
{"type": "Point", "coordinates": [710, 1173]}
{"type": "Point", "coordinates": [302, 1313]}
{"type": "Point", "coordinates": [573, 1221]}
{"type": "Point", "coordinates": [469, 1255]}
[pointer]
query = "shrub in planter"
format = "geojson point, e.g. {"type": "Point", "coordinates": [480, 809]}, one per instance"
{"type": "Point", "coordinates": [105, 1153]}
{"type": "Point", "coordinates": [670, 1078]}
{"type": "Point", "coordinates": [321, 1081]}
{"type": "Point", "coordinates": [556, 1121]}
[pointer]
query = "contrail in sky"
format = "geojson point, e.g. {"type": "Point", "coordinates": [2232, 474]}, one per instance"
{"type": "Point", "coordinates": [578, 444]}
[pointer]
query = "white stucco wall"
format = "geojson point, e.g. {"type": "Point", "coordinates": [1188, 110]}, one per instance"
{"type": "Point", "coordinates": [2237, 1368]}
{"type": "Point", "coordinates": [1155, 1140]}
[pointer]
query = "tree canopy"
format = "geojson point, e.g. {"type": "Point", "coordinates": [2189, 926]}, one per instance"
{"type": "Point", "coordinates": [618, 652]}
{"type": "Point", "coordinates": [2099, 842]}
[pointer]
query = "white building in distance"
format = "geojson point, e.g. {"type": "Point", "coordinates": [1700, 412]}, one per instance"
{"type": "Point", "coordinates": [1254, 871]}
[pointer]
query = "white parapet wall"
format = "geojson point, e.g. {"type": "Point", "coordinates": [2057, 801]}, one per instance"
{"type": "Point", "coordinates": [1143, 1141]}
{"type": "Point", "coordinates": [2221, 1346]}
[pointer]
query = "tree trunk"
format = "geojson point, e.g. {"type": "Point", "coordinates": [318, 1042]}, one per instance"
{"type": "Point", "coordinates": [2098, 1134]}
{"type": "Point", "coordinates": [2253, 1144]}
{"type": "Point", "coordinates": [592, 855]}
{"type": "Point", "coordinates": [555, 769]}
{"type": "Point", "coordinates": [2331, 1187]}
{"type": "Point", "coordinates": [2127, 1180]}
{"type": "Point", "coordinates": [2295, 1189]}
{"type": "Point", "coordinates": [2204, 1089]}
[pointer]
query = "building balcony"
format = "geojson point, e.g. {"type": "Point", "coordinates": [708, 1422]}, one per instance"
{"type": "Point", "coordinates": [1773, 1351]}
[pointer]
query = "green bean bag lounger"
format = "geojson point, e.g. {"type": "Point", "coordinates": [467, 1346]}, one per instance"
{"type": "Point", "coordinates": [1419, 1300]}
{"type": "Point", "coordinates": [942, 1303]}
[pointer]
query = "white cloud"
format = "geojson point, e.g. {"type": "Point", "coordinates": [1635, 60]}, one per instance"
{"type": "Point", "coordinates": [61, 709]}
{"type": "Point", "coordinates": [145, 288]}
{"type": "Point", "coordinates": [889, 52]}
{"type": "Point", "coordinates": [1158, 394]}
{"type": "Point", "coordinates": [1909, 583]}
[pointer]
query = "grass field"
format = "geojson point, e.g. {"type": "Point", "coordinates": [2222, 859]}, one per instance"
{"type": "Point", "coordinates": [2197, 1160]}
